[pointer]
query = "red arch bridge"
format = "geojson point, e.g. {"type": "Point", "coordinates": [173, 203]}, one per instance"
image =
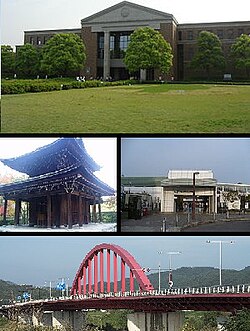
{"type": "Point", "coordinates": [92, 289]}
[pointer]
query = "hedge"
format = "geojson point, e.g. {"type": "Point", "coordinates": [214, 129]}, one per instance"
{"type": "Point", "coordinates": [32, 86]}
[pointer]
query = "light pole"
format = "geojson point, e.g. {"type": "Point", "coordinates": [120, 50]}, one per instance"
{"type": "Point", "coordinates": [170, 277]}
{"type": "Point", "coordinates": [50, 286]}
{"type": "Point", "coordinates": [193, 202]}
{"type": "Point", "coordinates": [220, 242]}
{"type": "Point", "coordinates": [159, 271]}
{"type": "Point", "coordinates": [170, 281]}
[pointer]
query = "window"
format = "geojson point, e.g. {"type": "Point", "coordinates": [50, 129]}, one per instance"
{"type": "Point", "coordinates": [230, 34]}
{"type": "Point", "coordinates": [190, 35]}
{"type": "Point", "coordinates": [32, 40]}
{"type": "Point", "coordinates": [240, 32]}
{"type": "Point", "coordinates": [100, 46]}
{"type": "Point", "coordinates": [180, 35]}
{"type": "Point", "coordinates": [220, 34]}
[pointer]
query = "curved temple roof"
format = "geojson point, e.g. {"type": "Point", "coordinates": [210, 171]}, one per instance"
{"type": "Point", "coordinates": [61, 154]}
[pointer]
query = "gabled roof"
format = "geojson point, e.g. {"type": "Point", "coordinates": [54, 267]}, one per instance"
{"type": "Point", "coordinates": [127, 11]}
{"type": "Point", "coordinates": [61, 154]}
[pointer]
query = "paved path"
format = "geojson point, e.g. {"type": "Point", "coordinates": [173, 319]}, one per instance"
{"type": "Point", "coordinates": [153, 223]}
{"type": "Point", "coordinates": [231, 226]}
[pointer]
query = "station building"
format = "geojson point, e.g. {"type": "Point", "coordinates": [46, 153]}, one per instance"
{"type": "Point", "coordinates": [175, 192]}
{"type": "Point", "coordinates": [106, 36]}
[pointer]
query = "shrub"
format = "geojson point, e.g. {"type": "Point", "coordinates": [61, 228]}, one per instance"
{"type": "Point", "coordinates": [34, 86]}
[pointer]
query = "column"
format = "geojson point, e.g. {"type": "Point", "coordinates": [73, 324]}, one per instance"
{"type": "Point", "coordinates": [17, 211]}
{"type": "Point", "coordinates": [85, 212]}
{"type": "Point", "coordinates": [143, 74]}
{"type": "Point", "coordinates": [80, 211]}
{"type": "Point", "coordinates": [49, 214]}
{"type": "Point", "coordinates": [94, 213]}
{"type": "Point", "coordinates": [69, 211]}
{"type": "Point", "coordinates": [106, 62]}
{"type": "Point", "coordinates": [5, 210]}
{"type": "Point", "coordinates": [100, 212]}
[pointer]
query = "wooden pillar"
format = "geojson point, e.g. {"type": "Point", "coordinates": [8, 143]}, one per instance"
{"type": "Point", "coordinates": [69, 211]}
{"type": "Point", "coordinates": [88, 211]}
{"type": "Point", "coordinates": [80, 210]}
{"type": "Point", "coordinates": [17, 211]}
{"type": "Point", "coordinates": [86, 218]}
{"type": "Point", "coordinates": [100, 212]}
{"type": "Point", "coordinates": [63, 208]}
{"type": "Point", "coordinates": [32, 212]}
{"type": "Point", "coordinates": [49, 214]}
{"type": "Point", "coordinates": [94, 212]}
{"type": "Point", "coordinates": [5, 206]}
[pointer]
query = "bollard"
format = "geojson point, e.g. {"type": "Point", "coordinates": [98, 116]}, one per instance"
{"type": "Point", "coordinates": [164, 225]}
{"type": "Point", "coordinates": [227, 214]}
{"type": "Point", "coordinates": [188, 217]}
{"type": "Point", "coordinates": [176, 220]}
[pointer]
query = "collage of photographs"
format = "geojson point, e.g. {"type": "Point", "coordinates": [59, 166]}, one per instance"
{"type": "Point", "coordinates": [125, 166]}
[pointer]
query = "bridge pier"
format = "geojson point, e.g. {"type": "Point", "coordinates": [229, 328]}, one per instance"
{"type": "Point", "coordinates": [140, 321]}
{"type": "Point", "coordinates": [76, 320]}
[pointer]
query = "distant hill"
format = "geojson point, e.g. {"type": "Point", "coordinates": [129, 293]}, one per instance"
{"type": "Point", "coordinates": [202, 276]}
{"type": "Point", "coordinates": [182, 277]}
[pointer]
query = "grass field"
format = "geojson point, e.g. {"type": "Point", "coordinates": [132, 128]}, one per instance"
{"type": "Point", "coordinates": [180, 108]}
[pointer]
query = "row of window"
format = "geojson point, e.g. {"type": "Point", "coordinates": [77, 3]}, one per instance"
{"type": "Point", "coordinates": [118, 44]}
{"type": "Point", "coordinates": [222, 34]}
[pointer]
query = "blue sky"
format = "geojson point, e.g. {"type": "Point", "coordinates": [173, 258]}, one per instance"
{"type": "Point", "coordinates": [62, 14]}
{"type": "Point", "coordinates": [228, 158]}
{"type": "Point", "coordinates": [36, 259]}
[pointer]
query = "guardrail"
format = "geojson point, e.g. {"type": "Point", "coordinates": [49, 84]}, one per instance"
{"type": "Point", "coordinates": [207, 290]}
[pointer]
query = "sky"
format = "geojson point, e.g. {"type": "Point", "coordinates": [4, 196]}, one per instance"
{"type": "Point", "coordinates": [228, 158]}
{"type": "Point", "coordinates": [18, 16]}
{"type": "Point", "coordinates": [102, 150]}
{"type": "Point", "coordinates": [36, 259]}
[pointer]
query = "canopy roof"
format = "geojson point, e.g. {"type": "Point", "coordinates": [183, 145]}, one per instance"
{"type": "Point", "coordinates": [61, 154]}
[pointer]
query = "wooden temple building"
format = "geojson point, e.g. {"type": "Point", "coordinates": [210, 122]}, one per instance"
{"type": "Point", "coordinates": [61, 187]}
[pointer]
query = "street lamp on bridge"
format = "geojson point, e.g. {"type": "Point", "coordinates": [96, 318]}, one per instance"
{"type": "Point", "coordinates": [170, 277]}
{"type": "Point", "coordinates": [220, 242]}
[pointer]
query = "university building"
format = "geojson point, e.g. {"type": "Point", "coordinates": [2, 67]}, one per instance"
{"type": "Point", "coordinates": [106, 35]}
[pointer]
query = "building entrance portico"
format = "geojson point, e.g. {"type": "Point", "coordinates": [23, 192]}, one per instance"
{"type": "Point", "coordinates": [179, 190]}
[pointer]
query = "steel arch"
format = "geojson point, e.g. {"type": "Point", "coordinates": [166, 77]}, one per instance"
{"type": "Point", "coordinates": [136, 271]}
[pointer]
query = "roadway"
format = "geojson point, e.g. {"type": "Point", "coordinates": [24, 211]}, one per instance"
{"type": "Point", "coordinates": [154, 223]}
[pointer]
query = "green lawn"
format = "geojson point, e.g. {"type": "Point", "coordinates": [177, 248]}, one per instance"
{"type": "Point", "coordinates": [164, 108]}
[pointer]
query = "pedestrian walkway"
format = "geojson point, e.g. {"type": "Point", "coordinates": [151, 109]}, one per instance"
{"type": "Point", "coordinates": [178, 222]}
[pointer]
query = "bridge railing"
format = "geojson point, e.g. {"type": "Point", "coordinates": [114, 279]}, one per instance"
{"type": "Point", "coordinates": [244, 288]}
{"type": "Point", "coordinates": [207, 290]}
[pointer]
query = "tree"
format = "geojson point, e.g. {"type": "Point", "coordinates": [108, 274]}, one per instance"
{"type": "Point", "coordinates": [148, 50]}
{"type": "Point", "coordinates": [209, 54]}
{"type": "Point", "coordinates": [238, 322]}
{"type": "Point", "coordinates": [7, 60]}
{"type": "Point", "coordinates": [27, 61]}
{"type": "Point", "coordinates": [240, 51]}
{"type": "Point", "coordinates": [63, 55]}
